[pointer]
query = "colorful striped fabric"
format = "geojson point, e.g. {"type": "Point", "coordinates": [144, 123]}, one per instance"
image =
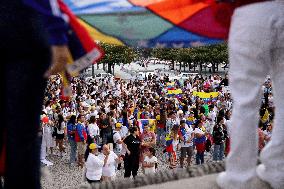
{"type": "Point", "coordinates": [84, 50]}
{"type": "Point", "coordinates": [151, 23]}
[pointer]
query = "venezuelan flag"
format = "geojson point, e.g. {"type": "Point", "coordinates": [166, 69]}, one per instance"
{"type": "Point", "coordinates": [84, 50]}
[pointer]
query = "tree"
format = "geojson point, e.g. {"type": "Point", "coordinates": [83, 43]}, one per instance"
{"type": "Point", "coordinates": [115, 54]}
{"type": "Point", "coordinates": [166, 54]}
{"type": "Point", "coordinates": [213, 54]}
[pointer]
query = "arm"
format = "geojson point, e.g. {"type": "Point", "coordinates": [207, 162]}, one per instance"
{"type": "Point", "coordinates": [65, 132]}
{"type": "Point", "coordinates": [125, 147]}
{"type": "Point", "coordinates": [117, 159]}
{"type": "Point", "coordinates": [105, 160]}
{"type": "Point", "coordinates": [145, 164]}
{"type": "Point", "coordinates": [57, 30]}
{"type": "Point", "coordinates": [191, 137]}
{"type": "Point", "coordinates": [91, 131]}
{"type": "Point", "coordinates": [151, 165]}
{"type": "Point", "coordinates": [153, 142]}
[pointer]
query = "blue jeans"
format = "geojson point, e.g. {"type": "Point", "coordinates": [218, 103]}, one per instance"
{"type": "Point", "coordinates": [199, 158]}
{"type": "Point", "coordinates": [218, 152]}
{"type": "Point", "coordinates": [73, 146]}
{"type": "Point", "coordinates": [161, 136]}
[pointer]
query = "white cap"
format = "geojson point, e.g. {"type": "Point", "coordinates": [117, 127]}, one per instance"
{"type": "Point", "coordinates": [85, 104]}
{"type": "Point", "coordinates": [198, 131]}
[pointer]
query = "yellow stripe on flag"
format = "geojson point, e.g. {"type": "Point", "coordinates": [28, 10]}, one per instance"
{"type": "Point", "coordinates": [205, 95]}
{"type": "Point", "coordinates": [96, 35]}
{"type": "Point", "coordinates": [177, 91]}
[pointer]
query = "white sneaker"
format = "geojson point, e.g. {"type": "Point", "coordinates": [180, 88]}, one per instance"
{"type": "Point", "coordinates": [49, 163]}
{"type": "Point", "coordinates": [46, 162]}
{"type": "Point", "coordinates": [255, 182]}
{"type": "Point", "coordinates": [262, 174]}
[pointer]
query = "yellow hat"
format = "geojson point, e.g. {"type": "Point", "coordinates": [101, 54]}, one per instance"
{"type": "Point", "coordinates": [158, 117]}
{"type": "Point", "coordinates": [93, 146]}
{"type": "Point", "coordinates": [118, 125]}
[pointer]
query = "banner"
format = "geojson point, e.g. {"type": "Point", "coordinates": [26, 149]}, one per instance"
{"type": "Point", "coordinates": [174, 92]}
{"type": "Point", "coordinates": [151, 23]}
{"type": "Point", "coordinates": [206, 95]}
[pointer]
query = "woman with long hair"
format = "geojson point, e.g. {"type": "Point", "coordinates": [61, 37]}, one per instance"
{"type": "Point", "coordinates": [60, 133]}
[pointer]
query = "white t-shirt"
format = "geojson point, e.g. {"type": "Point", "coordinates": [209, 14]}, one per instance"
{"type": "Point", "coordinates": [117, 137]}
{"type": "Point", "coordinates": [94, 166]}
{"type": "Point", "coordinates": [150, 170]}
{"type": "Point", "coordinates": [93, 130]}
{"type": "Point", "coordinates": [123, 131]}
{"type": "Point", "coordinates": [187, 136]}
{"type": "Point", "coordinates": [61, 131]}
{"type": "Point", "coordinates": [212, 115]}
{"type": "Point", "coordinates": [109, 169]}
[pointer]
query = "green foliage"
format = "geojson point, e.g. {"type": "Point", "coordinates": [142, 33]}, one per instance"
{"type": "Point", "coordinates": [215, 54]}
{"type": "Point", "coordinates": [117, 54]}
{"type": "Point", "coordinates": [204, 54]}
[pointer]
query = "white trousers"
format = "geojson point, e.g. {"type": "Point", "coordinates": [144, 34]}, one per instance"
{"type": "Point", "coordinates": [256, 49]}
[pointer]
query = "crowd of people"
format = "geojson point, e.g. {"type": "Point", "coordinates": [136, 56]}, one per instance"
{"type": "Point", "coordinates": [111, 123]}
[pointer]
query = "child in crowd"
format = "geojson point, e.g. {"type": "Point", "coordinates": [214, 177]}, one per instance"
{"type": "Point", "coordinates": [150, 161]}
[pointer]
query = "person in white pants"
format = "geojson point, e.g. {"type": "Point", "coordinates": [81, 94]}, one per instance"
{"type": "Point", "coordinates": [256, 49]}
{"type": "Point", "coordinates": [46, 143]}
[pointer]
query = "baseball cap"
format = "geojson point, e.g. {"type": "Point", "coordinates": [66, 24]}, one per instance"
{"type": "Point", "coordinates": [158, 117]}
{"type": "Point", "coordinates": [93, 146]}
{"type": "Point", "coordinates": [118, 125]}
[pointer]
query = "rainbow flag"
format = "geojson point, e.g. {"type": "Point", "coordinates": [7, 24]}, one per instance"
{"type": "Point", "coordinates": [151, 23]}
{"type": "Point", "coordinates": [84, 50]}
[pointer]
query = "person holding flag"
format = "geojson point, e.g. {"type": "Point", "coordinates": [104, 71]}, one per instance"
{"type": "Point", "coordinates": [186, 136]}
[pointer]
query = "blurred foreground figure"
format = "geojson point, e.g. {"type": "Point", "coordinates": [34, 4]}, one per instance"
{"type": "Point", "coordinates": [256, 49]}
{"type": "Point", "coordinates": [30, 29]}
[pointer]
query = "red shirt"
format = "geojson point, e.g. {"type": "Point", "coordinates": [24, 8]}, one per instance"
{"type": "Point", "coordinates": [200, 147]}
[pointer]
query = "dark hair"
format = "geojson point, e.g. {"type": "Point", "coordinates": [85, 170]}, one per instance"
{"type": "Point", "coordinates": [197, 123]}
{"type": "Point", "coordinates": [182, 121]}
{"type": "Point", "coordinates": [133, 129]}
{"type": "Point", "coordinates": [92, 119]}
{"type": "Point", "coordinates": [72, 119]}
{"type": "Point", "coordinates": [60, 120]}
{"type": "Point", "coordinates": [219, 119]}
{"type": "Point", "coordinates": [153, 151]}
{"type": "Point", "coordinates": [79, 116]}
